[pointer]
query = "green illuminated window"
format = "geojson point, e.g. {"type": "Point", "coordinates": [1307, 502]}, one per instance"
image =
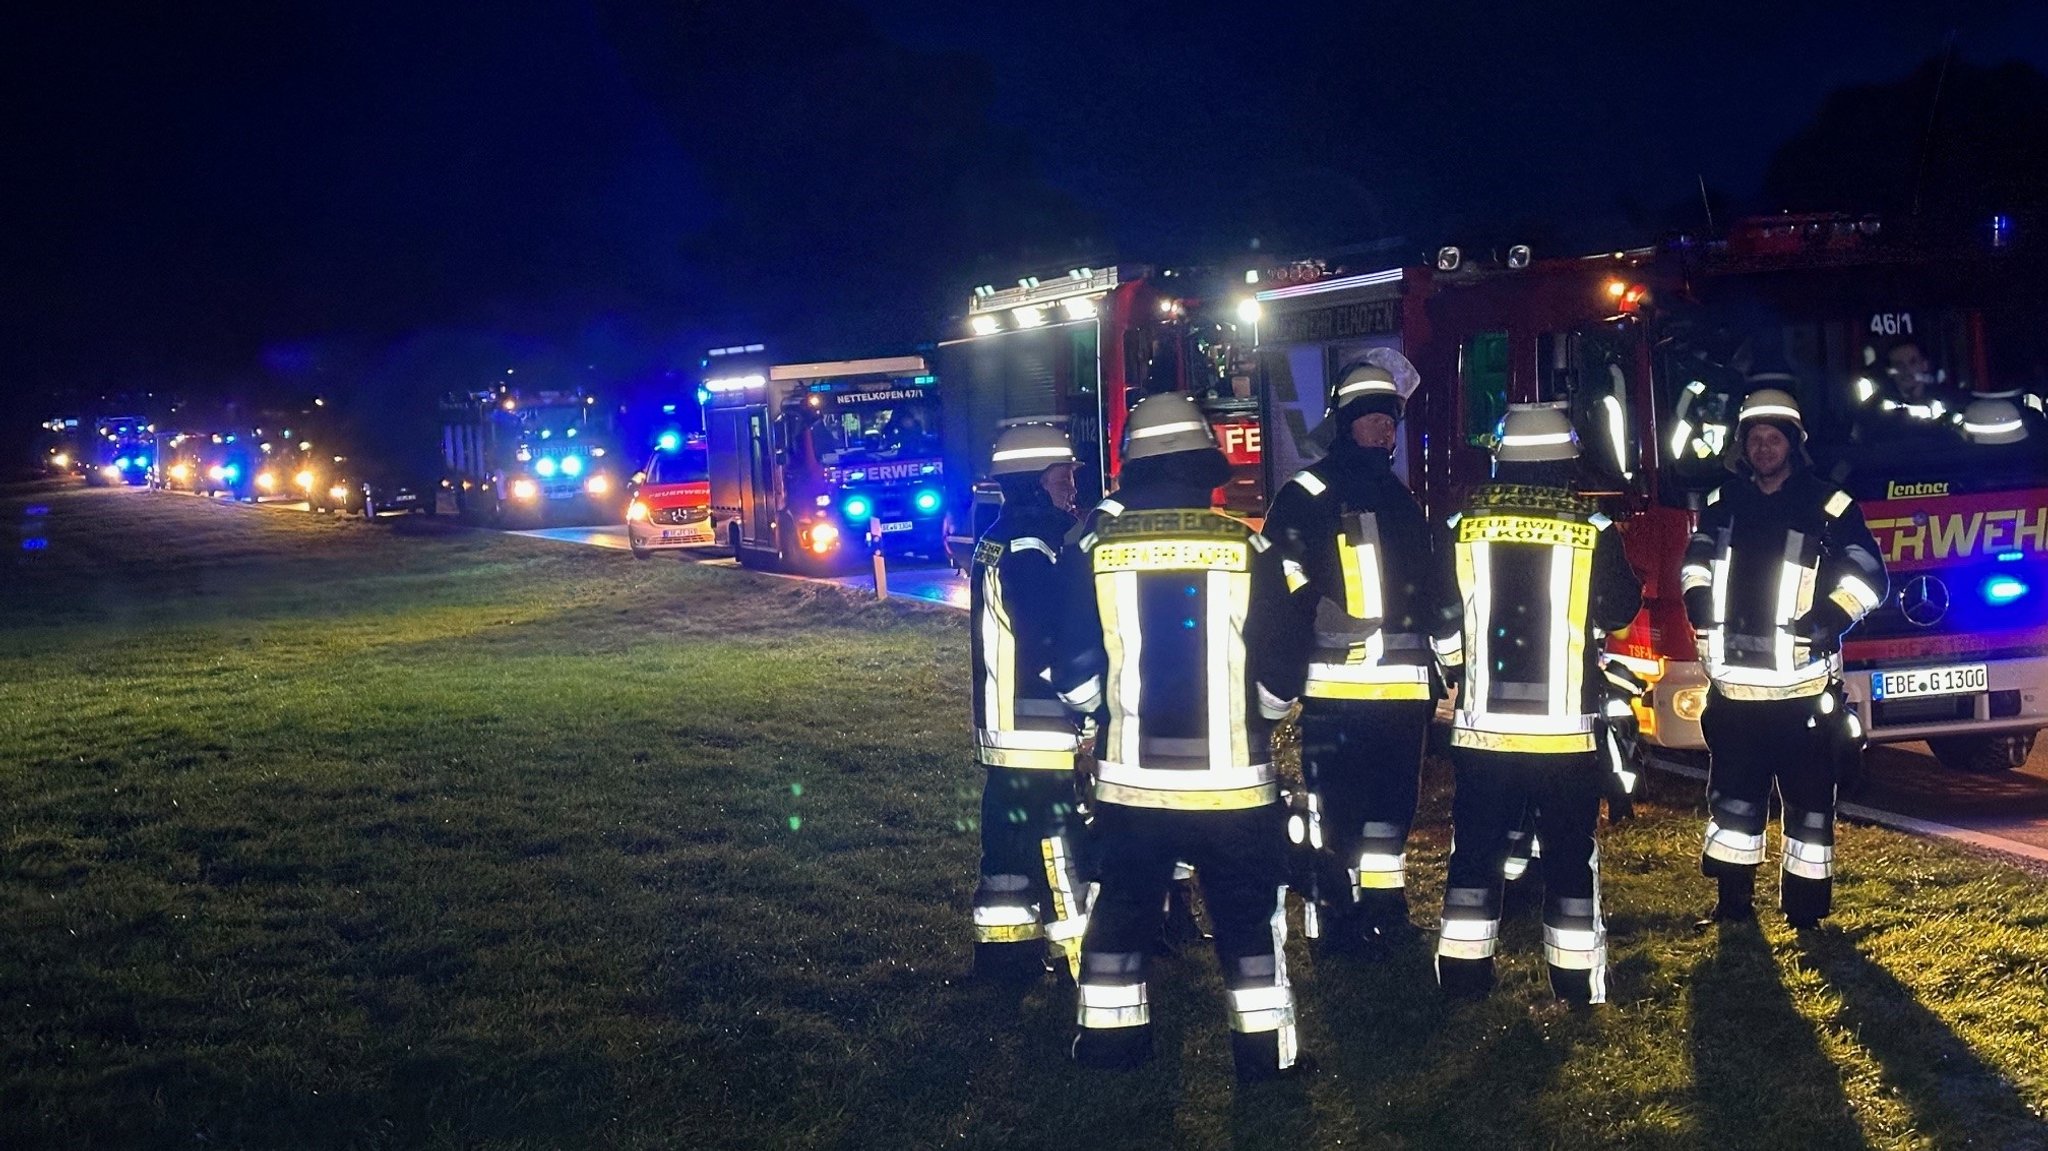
{"type": "Point", "coordinates": [1483, 375]}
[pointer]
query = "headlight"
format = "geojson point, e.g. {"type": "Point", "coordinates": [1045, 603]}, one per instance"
{"type": "Point", "coordinates": [544, 467]}
{"type": "Point", "coordinates": [823, 536]}
{"type": "Point", "coordinates": [636, 512]}
{"type": "Point", "coordinates": [598, 485]}
{"type": "Point", "coordinates": [524, 489]}
{"type": "Point", "coordinates": [572, 465]}
{"type": "Point", "coordinates": [180, 473]}
{"type": "Point", "coordinates": [61, 460]}
{"type": "Point", "coordinates": [266, 481]}
{"type": "Point", "coordinates": [303, 479]}
{"type": "Point", "coordinates": [338, 492]}
{"type": "Point", "coordinates": [216, 473]}
{"type": "Point", "coordinates": [110, 471]}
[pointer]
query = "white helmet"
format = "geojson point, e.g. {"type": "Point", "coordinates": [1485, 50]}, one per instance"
{"type": "Point", "coordinates": [1766, 405]}
{"type": "Point", "coordinates": [1993, 421]}
{"type": "Point", "coordinates": [1166, 423]}
{"type": "Point", "coordinates": [1536, 433]}
{"type": "Point", "coordinates": [1028, 449]}
{"type": "Point", "coordinates": [1365, 388]}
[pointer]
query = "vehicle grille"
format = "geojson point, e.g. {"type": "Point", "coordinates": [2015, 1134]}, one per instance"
{"type": "Point", "coordinates": [679, 515]}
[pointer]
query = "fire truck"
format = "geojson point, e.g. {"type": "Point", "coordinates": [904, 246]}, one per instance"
{"type": "Point", "coordinates": [808, 459]}
{"type": "Point", "coordinates": [1080, 349]}
{"type": "Point", "coordinates": [526, 458]}
{"type": "Point", "coordinates": [123, 452]}
{"type": "Point", "coordinates": [1651, 348]}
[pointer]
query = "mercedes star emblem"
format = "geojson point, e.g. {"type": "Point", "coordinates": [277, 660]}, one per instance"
{"type": "Point", "coordinates": [1924, 600]}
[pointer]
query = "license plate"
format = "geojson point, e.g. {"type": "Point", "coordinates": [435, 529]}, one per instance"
{"type": "Point", "coordinates": [683, 534]}
{"type": "Point", "coordinates": [1906, 683]}
{"type": "Point", "coordinates": [897, 526]}
{"type": "Point", "coordinates": [568, 495]}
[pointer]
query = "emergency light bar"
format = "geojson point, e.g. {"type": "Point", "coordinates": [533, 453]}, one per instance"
{"type": "Point", "coordinates": [1077, 282]}
{"type": "Point", "coordinates": [1367, 280]}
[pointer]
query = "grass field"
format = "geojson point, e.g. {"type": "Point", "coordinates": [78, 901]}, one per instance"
{"type": "Point", "coordinates": [321, 834]}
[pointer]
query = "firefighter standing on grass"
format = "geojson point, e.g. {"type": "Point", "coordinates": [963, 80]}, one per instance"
{"type": "Point", "coordinates": [1542, 577]}
{"type": "Point", "coordinates": [1780, 566]}
{"type": "Point", "coordinates": [1030, 903]}
{"type": "Point", "coordinates": [1171, 624]}
{"type": "Point", "coordinates": [1362, 568]}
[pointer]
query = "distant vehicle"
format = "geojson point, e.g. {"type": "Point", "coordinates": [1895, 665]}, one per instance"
{"type": "Point", "coordinates": [124, 448]}
{"type": "Point", "coordinates": [671, 505]}
{"type": "Point", "coordinates": [808, 459]}
{"type": "Point", "coordinates": [528, 458]}
{"type": "Point", "coordinates": [57, 447]}
{"type": "Point", "coordinates": [369, 487]}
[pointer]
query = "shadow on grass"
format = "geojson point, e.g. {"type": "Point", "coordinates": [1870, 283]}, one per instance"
{"type": "Point", "coordinates": [1759, 1074]}
{"type": "Point", "coordinates": [1954, 1096]}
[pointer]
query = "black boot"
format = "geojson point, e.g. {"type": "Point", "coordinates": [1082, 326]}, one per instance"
{"type": "Point", "coordinates": [1737, 901]}
{"type": "Point", "coordinates": [1468, 979]}
{"type": "Point", "coordinates": [1806, 901]}
{"type": "Point", "coordinates": [1010, 962]}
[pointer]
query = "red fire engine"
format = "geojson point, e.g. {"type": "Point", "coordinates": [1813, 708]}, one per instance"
{"type": "Point", "coordinates": [1082, 348]}
{"type": "Point", "coordinates": [1651, 349]}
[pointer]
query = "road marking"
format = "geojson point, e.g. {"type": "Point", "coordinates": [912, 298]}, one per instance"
{"type": "Point", "coordinates": [1897, 822]}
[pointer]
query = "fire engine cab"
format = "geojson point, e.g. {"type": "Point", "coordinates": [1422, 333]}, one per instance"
{"type": "Point", "coordinates": [808, 460]}
{"type": "Point", "coordinates": [1886, 345]}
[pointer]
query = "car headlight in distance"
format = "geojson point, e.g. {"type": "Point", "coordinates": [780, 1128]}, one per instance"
{"type": "Point", "coordinates": [303, 479]}
{"type": "Point", "coordinates": [180, 473]}
{"type": "Point", "coordinates": [110, 471]}
{"type": "Point", "coordinates": [636, 512]}
{"type": "Point", "coordinates": [216, 473]}
{"type": "Point", "coordinates": [598, 485]}
{"type": "Point", "coordinates": [266, 481]}
{"type": "Point", "coordinates": [338, 492]}
{"type": "Point", "coordinates": [572, 465]}
{"type": "Point", "coordinates": [524, 489]}
{"type": "Point", "coordinates": [544, 467]}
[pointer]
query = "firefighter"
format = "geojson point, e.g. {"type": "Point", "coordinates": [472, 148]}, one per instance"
{"type": "Point", "coordinates": [1542, 578]}
{"type": "Point", "coordinates": [1360, 564]}
{"type": "Point", "coordinates": [1172, 626]}
{"type": "Point", "coordinates": [1031, 902]}
{"type": "Point", "coordinates": [1779, 567]}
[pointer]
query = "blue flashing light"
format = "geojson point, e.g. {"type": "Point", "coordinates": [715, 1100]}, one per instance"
{"type": "Point", "coordinates": [703, 396]}
{"type": "Point", "coordinates": [231, 473]}
{"type": "Point", "coordinates": [34, 544]}
{"type": "Point", "coordinates": [928, 500]}
{"type": "Point", "coordinates": [670, 409]}
{"type": "Point", "coordinates": [2000, 590]}
{"type": "Point", "coordinates": [669, 441]}
{"type": "Point", "coordinates": [544, 467]}
{"type": "Point", "coordinates": [2008, 557]}
{"type": "Point", "coordinates": [572, 465]}
{"type": "Point", "coordinates": [857, 507]}
{"type": "Point", "coordinates": [124, 463]}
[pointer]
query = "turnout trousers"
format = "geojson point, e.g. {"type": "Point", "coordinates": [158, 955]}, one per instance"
{"type": "Point", "coordinates": [1793, 743]}
{"type": "Point", "coordinates": [1239, 857]}
{"type": "Point", "coordinates": [1362, 763]}
{"type": "Point", "coordinates": [1031, 903]}
{"type": "Point", "coordinates": [1494, 791]}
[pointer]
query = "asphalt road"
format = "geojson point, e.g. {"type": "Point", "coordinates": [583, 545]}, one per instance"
{"type": "Point", "coordinates": [2002, 811]}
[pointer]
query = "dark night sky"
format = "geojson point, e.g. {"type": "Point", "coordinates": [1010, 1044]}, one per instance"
{"type": "Point", "coordinates": [203, 186]}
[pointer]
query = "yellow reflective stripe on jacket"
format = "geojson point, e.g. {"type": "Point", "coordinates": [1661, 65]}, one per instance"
{"type": "Point", "coordinates": [1510, 741]}
{"type": "Point", "coordinates": [1027, 759]}
{"type": "Point", "coordinates": [1338, 689]}
{"type": "Point", "coordinates": [1258, 795]}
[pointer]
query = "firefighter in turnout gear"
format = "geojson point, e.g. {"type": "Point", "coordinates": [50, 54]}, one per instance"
{"type": "Point", "coordinates": [1542, 579]}
{"type": "Point", "coordinates": [1779, 567]}
{"type": "Point", "coordinates": [1172, 625]}
{"type": "Point", "coordinates": [1031, 902]}
{"type": "Point", "coordinates": [1363, 573]}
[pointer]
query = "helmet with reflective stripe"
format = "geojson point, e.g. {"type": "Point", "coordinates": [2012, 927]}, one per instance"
{"type": "Point", "coordinates": [1363, 389]}
{"type": "Point", "coordinates": [1536, 433]}
{"type": "Point", "coordinates": [1166, 423]}
{"type": "Point", "coordinates": [1028, 449]}
{"type": "Point", "coordinates": [1993, 421]}
{"type": "Point", "coordinates": [1770, 404]}
{"type": "Point", "coordinates": [1767, 405]}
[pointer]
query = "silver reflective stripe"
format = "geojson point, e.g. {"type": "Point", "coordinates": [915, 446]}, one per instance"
{"type": "Point", "coordinates": [1574, 949]}
{"type": "Point", "coordinates": [1117, 1005]}
{"type": "Point", "coordinates": [1838, 503]}
{"type": "Point", "coordinates": [998, 653]}
{"type": "Point", "coordinates": [1257, 1009]}
{"type": "Point", "coordinates": [1026, 739]}
{"type": "Point", "coordinates": [1130, 647]}
{"type": "Point", "coordinates": [1082, 698]}
{"type": "Point", "coordinates": [1516, 867]}
{"type": "Point", "coordinates": [1288, 1039]}
{"type": "Point", "coordinates": [1308, 481]}
{"type": "Point", "coordinates": [1733, 846]}
{"type": "Point", "coordinates": [1382, 871]}
{"type": "Point", "coordinates": [1694, 575]}
{"type": "Point", "coordinates": [1166, 429]}
{"type": "Point", "coordinates": [1866, 598]}
{"type": "Point", "coordinates": [1028, 543]}
{"type": "Point", "coordinates": [1808, 860]}
{"type": "Point", "coordinates": [1468, 938]}
{"type": "Point", "coordinates": [1004, 916]}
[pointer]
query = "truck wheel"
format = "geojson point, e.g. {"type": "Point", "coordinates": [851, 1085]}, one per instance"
{"type": "Point", "coordinates": [1983, 753]}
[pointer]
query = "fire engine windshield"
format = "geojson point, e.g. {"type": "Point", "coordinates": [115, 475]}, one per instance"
{"type": "Point", "coordinates": [1882, 396]}
{"type": "Point", "coordinates": [687, 464]}
{"type": "Point", "coordinates": [863, 429]}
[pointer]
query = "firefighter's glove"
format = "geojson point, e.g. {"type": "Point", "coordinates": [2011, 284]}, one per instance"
{"type": "Point", "coordinates": [1699, 607]}
{"type": "Point", "coordinates": [1823, 626]}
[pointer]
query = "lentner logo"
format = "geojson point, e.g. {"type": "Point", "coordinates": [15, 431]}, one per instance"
{"type": "Point", "coordinates": [1898, 491]}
